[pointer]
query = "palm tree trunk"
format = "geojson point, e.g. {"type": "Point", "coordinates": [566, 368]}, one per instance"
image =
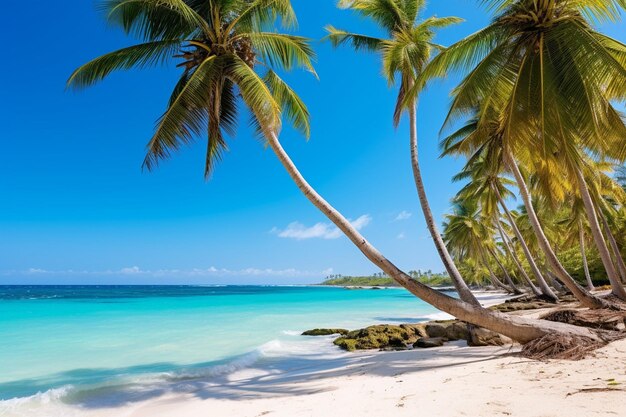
{"type": "Point", "coordinates": [555, 281]}
{"type": "Point", "coordinates": [583, 253]}
{"type": "Point", "coordinates": [518, 264]}
{"type": "Point", "coordinates": [496, 282]}
{"type": "Point", "coordinates": [492, 276]}
{"type": "Point", "coordinates": [457, 279]}
{"type": "Point", "coordinates": [603, 250]}
{"type": "Point", "coordinates": [586, 299]}
{"type": "Point", "coordinates": [616, 252]}
{"type": "Point", "coordinates": [507, 277]}
{"type": "Point", "coordinates": [517, 328]}
{"type": "Point", "coordinates": [545, 288]}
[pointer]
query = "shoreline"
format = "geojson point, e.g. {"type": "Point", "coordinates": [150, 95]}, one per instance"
{"type": "Point", "coordinates": [310, 377]}
{"type": "Point", "coordinates": [450, 381]}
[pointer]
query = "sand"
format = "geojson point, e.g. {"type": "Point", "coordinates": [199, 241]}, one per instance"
{"type": "Point", "coordinates": [454, 380]}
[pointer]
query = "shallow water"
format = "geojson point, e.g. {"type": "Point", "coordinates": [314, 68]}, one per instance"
{"type": "Point", "coordinates": [89, 344]}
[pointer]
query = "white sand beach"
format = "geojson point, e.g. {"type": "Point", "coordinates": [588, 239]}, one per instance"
{"type": "Point", "coordinates": [454, 380]}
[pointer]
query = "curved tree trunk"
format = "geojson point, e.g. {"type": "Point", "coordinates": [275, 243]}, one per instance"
{"type": "Point", "coordinates": [583, 253]}
{"type": "Point", "coordinates": [517, 328]}
{"type": "Point", "coordinates": [621, 267]}
{"type": "Point", "coordinates": [507, 277]}
{"type": "Point", "coordinates": [603, 250]}
{"type": "Point", "coordinates": [586, 299]}
{"type": "Point", "coordinates": [496, 282]}
{"type": "Point", "coordinates": [492, 276]}
{"type": "Point", "coordinates": [511, 252]}
{"type": "Point", "coordinates": [543, 284]}
{"type": "Point", "coordinates": [555, 281]}
{"type": "Point", "coordinates": [457, 279]}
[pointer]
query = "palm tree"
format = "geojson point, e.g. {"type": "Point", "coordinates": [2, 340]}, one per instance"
{"type": "Point", "coordinates": [466, 234]}
{"type": "Point", "coordinates": [510, 250]}
{"type": "Point", "coordinates": [583, 254]}
{"type": "Point", "coordinates": [487, 183]}
{"type": "Point", "coordinates": [609, 197]}
{"type": "Point", "coordinates": [226, 40]}
{"type": "Point", "coordinates": [620, 175]}
{"type": "Point", "coordinates": [404, 55]}
{"type": "Point", "coordinates": [550, 78]}
{"type": "Point", "coordinates": [573, 219]}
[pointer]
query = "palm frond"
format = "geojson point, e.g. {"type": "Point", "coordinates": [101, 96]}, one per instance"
{"type": "Point", "coordinates": [186, 118]}
{"type": "Point", "coordinates": [139, 56]}
{"type": "Point", "coordinates": [292, 106]}
{"type": "Point", "coordinates": [285, 51]}
{"type": "Point", "coordinates": [155, 19]}
{"type": "Point", "coordinates": [339, 37]}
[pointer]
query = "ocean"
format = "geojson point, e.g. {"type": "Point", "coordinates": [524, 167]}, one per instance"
{"type": "Point", "coordinates": [95, 346]}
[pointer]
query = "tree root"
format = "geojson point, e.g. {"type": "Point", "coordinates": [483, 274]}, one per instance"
{"type": "Point", "coordinates": [560, 346]}
{"type": "Point", "coordinates": [567, 346]}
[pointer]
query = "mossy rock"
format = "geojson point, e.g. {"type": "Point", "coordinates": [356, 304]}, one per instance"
{"type": "Point", "coordinates": [429, 342]}
{"type": "Point", "coordinates": [457, 331]}
{"type": "Point", "coordinates": [346, 344]}
{"type": "Point", "coordinates": [448, 329]}
{"type": "Point", "coordinates": [324, 332]}
{"type": "Point", "coordinates": [381, 336]}
{"type": "Point", "coordinates": [484, 337]}
{"type": "Point", "coordinates": [437, 329]}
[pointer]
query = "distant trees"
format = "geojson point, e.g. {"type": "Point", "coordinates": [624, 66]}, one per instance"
{"type": "Point", "coordinates": [382, 279]}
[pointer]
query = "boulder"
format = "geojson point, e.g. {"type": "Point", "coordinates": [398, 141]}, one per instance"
{"type": "Point", "coordinates": [484, 337]}
{"type": "Point", "coordinates": [429, 342]}
{"type": "Point", "coordinates": [457, 331]}
{"type": "Point", "coordinates": [437, 329]}
{"type": "Point", "coordinates": [324, 332]}
{"type": "Point", "coordinates": [381, 336]}
{"type": "Point", "coordinates": [449, 329]}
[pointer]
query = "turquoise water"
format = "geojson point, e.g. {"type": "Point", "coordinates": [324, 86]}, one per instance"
{"type": "Point", "coordinates": [74, 338]}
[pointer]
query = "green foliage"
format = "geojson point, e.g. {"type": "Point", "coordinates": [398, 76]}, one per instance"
{"type": "Point", "coordinates": [230, 52]}
{"type": "Point", "coordinates": [540, 84]}
{"type": "Point", "coordinates": [381, 280]}
{"type": "Point", "coordinates": [409, 44]}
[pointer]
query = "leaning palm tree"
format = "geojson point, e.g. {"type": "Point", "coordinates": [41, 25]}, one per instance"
{"type": "Point", "coordinates": [469, 235]}
{"type": "Point", "coordinates": [404, 55]}
{"type": "Point", "coordinates": [226, 40]}
{"type": "Point", "coordinates": [511, 252]}
{"type": "Point", "coordinates": [483, 169]}
{"type": "Point", "coordinates": [609, 197]}
{"type": "Point", "coordinates": [551, 78]}
{"type": "Point", "coordinates": [573, 219]}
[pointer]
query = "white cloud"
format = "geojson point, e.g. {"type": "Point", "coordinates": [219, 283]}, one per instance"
{"type": "Point", "coordinates": [131, 271]}
{"type": "Point", "coordinates": [35, 271]}
{"type": "Point", "coordinates": [403, 215]}
{"type": "Point", "coordinates": [299, 231]}
{"type": "Point", "coordinates": [177, 273]}
{"type": "Point", "coordinates": [401, 236]}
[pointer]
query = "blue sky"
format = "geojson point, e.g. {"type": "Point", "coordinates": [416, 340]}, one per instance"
{"type": "Point", "coordinates": [75, 206]}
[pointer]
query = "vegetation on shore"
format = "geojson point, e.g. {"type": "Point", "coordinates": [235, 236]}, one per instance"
{"type": "Point", "coordinates": [536, 109]}
{"type": "Point", "coordinates": [382, 280]}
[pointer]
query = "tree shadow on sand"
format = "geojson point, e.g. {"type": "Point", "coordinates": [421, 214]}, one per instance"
{"type": "Point", "coordinates": [296, 375]}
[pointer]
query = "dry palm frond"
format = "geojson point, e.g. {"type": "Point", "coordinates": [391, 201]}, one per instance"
{"type": "Point", "coordinates": [559, 346]}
